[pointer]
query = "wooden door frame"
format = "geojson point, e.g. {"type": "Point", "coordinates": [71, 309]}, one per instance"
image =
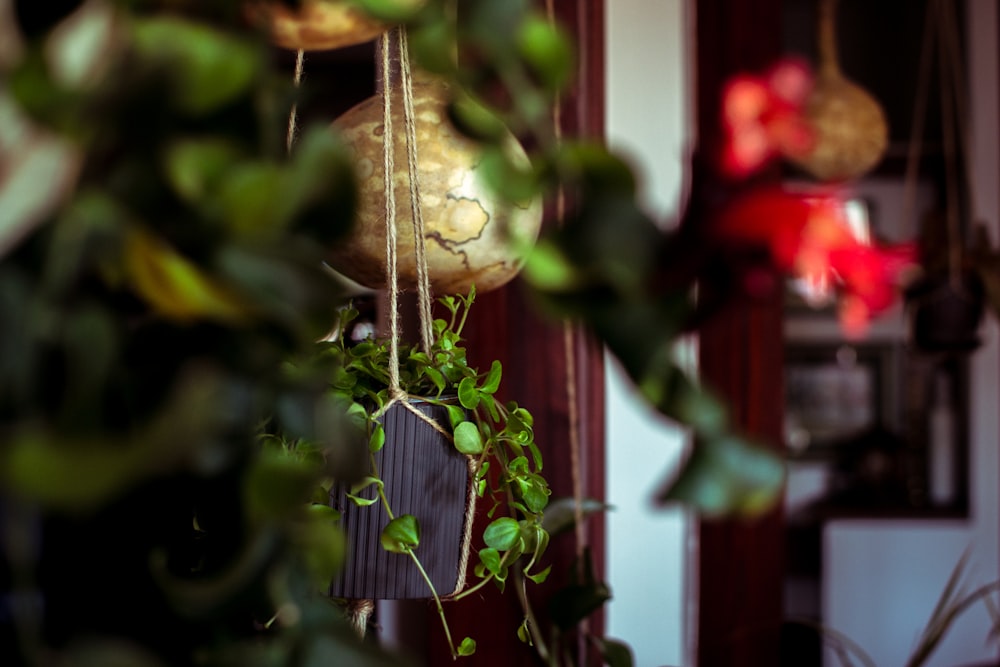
{"type": "Point", "coordinates": [740, 356]}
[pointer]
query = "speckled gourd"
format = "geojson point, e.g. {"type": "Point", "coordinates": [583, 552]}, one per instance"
{"type": "Point", "coordinates": [851, 130]}
{"type": "Point", "coordinates": [467, 228]}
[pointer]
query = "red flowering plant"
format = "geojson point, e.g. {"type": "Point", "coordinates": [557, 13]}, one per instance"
{"type": "Point", "coordinates": [632, 283]}
{"type": "Point", "coordinates": [805, 235]}
{"type": "Point", "coordinates": [762, 117]}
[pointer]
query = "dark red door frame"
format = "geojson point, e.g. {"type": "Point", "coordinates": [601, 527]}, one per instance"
{"type": "Point", "coordinates": [741, 564]}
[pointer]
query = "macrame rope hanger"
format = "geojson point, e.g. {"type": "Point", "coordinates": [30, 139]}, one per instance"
{"type": "Point", "coordinates": [395, 41]}
{"type": "Point", "coordinates": [940, 23]}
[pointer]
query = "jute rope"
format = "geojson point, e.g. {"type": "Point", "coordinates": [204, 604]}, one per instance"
{"type": "Point", "coordinates": [293, 115]}
{"type": "Point", "coordinates": [952, 57]}
{"type": "Point", "coordinates": [940, 19]}
{"type": "Point", "coordinates": [396, 393]}
{"type": "Point", "coordinates": [416, 208]}
{"type": "Point", "coordinates": [569, 345]}
{"type": "Point", "coordinates": [358, 613]}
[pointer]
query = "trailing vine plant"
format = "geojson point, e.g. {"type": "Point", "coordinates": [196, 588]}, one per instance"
{"type": "Point", "coordinates": [498, 438]}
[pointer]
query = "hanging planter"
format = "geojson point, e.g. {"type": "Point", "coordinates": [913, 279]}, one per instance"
{"type": "Point", "coordinates": [471, 236]}
{"type": "Point", "coordinates": [317, 25]}
{"type": "Point", "coordinates": [851, 133]}
{"type": "Point", "coordinates": [422, 475]}
{"type": "Point", "coordinates": [439, 440]}
{"type": "Point", "coordinates": [437, 436]}
{"type": "Point", "coordinates": [947, 304]}
{"type": "Point", "coordinates": [945, 313]}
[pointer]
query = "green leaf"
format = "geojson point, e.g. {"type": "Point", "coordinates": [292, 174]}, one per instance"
{"type": "Point", "coordinates": [502, 534]}
{"type": "Point", "coordinates": [468, 395]}
{"type": "Point", "coordinates": [540, 577]}
{"type": "Point", "coordinates": [456, 415]}
{"type": "Point", "coordinates": [475, 120]}
{"type": "Point", "coordinates": [277, 484]}
{"type": "Point", "coordinates": [574, 603]}
{"type": "Point", "coordinates": [402, 534]}
{"type": "Point", "coordinates": [255, 199]}
{"type": "Point", "coordinates": [560, 515]}
{"type": "Point", "coordinates": [69, 475]}
{"type": "Point", "coordinates": [377, 439]}
{"type": "Point", "coordinates": [365, 483]}
{"type": "Point", "coordinates": [467, 439]}
{"type": "Point", "coordinates": [547, 50]}
{"type": "Point", "coordinates": [323, 544]}
{"type": "Point", "coordinates": [324, 512]}
{"type": "Point", "coordinates": [467, 647]}
{"type": "Point", "coordinates": [615, 653]}
{"type": "Point", "coordinates": [431, 43]}
{"type": "Point", "coordinates": [548, 268]}
{"type": "Point", "coordinates": [728, 476]}
{"type": "Point", "coordinates": [535, 492]}
{"type": "Point", "coordinates": [490, 558]}
{"type": "Point", "coordinates": [492, 381]}
{"type": "Point", "coordinates": [512, 178]}
{"type": "Point", "coordinates": [36, 182]}
{"type": "Point", "coordinates": [597, 168]}
{"type": "Point", "coordinates": [490, 404]}
{"type": "Point", "coordinates": [436, 377]}
{"type": "Point", "coordinates": [207, 68]}
{"type": "Point", "coordinates": [524, 634]}
{"type": "Point", "coordinates": [195, 167]}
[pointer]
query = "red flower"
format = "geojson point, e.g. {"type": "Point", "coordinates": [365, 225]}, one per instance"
{"type": "Point", "coordinates": [762, 117]}
{"type": "Point", "coordinates": [810, 238]}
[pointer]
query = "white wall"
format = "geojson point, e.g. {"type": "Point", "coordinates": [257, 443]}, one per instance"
{"type": "Point", "coordinates": [649, 568]}
{"type": "Point", "coordinates": [882, 578]}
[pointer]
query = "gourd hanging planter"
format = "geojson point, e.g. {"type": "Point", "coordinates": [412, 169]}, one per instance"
{"type": "Point", "coordinates": [947, 304]}
{"type": "Point", "coordinates": [851, 131]}
{"type": "Point", "coordinates": [945, 313]}
{"type": "Point", "coordinates": [409, 522]}
{"type": "Point", "coordinates": [424, 476]}
{"type": "Point", "coordinates": [318, 25]}
{"type": "Point", "coordinates": [468, 228]}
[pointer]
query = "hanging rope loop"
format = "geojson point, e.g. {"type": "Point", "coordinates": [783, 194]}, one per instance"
{"type": "Point", "coordinates": [390, 42]}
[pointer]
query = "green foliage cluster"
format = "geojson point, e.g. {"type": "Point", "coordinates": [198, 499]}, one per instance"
{"type": "Point", "coordinates": [159, 303]}
{"type": "Point", "coordinates": [498, 436]}
{"type": "Point", "coordinates": [148, 310]}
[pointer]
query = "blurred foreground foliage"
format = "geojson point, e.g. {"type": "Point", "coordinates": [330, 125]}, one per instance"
{"type": "Point", "coordinates": [160, 265]}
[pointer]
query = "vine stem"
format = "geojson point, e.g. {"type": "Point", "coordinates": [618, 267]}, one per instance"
{"type": "Point", "coordinates": [437, 603]}
{"type": "Point", "coordinates": [539, 641]}
{"type": "Point", "coordinates": [469, 591]}
{"type": "Point", "coordinates": [420, 568]}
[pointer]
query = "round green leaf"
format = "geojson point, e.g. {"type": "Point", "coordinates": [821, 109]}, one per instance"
{"type": "Point", "coordinates": [547, 50]}
{"type": "Point", "coordinates": [195, 167]}
{"type": "Point", "coordinates": [377, 439]}
{"type": "Point", "coordinates": [207, 68]}
{"type": "Point", "coordinates": [476, 121]}
{"type": "Point", "coordinates": [467, 439]}
{"type": "Point", "coordinates": [490, 558]}
{"type": "Point", "coordinates": [502, 534]}
{"type": "Point", "coordinates": [492, 381]}
{"type": "Point", "coordinates": [456, 415]}
{"type": "Point", "coordinates": [468, 394]}
{"type": "Point", "coordinates": [401, 535]}
{"type": "Point", "coordinates": [467, 647]}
